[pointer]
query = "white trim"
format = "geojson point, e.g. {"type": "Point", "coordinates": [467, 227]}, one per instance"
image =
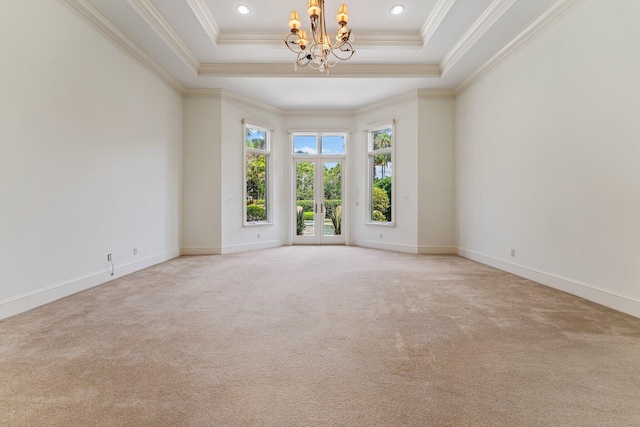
{"type": "Point", "coordinates": [257, 124]}
{"type": "Point", "coordinates": [437, 250]}
{"type": "Point", "coordinates": [203, 93]}
{"type": "Point", "coordinates": [154, 18]}
{"type": "Point", "coordinates": [266, 152]}
{"type": "Point", "coordinates": [319, 113]}
{"type": "Point", "coordinates": [245, 247]}
{"type": "Point", "coordinates": [439, 12]}
{"type": "Point", "coordinates": [378, 126]}
{"type": "Point", "coordinates": [25, 302]}
{"type": "Point", "coordinates": [389, 102]}
{"type": "Point", "coordinates": [395, 247]}
{"type": "Point", "coordinates": [587, 291]}
{"type": "Point", "coordinates": [371, 153]}
{"type": "Point", "coordinates": [343, 70]}
{"type": "Point", "coordinates": [317, 131]}
{"type": "Point", "coordinates": [231, 96]}
{"type": "Point", "coordinates": [201, 250]}
{"type": "Point", "coordinates": [275, 40]}
{"type": "Point", "coordinates": [551, 13]}
{"type": "Point", "coordinates": [435, 93]}
{"type": "Point", "coordinates": [490, 16]}
{"type": "Point", "coordinates": [204, 16]}
{"type": "Point", "coordinates": [102, 24]}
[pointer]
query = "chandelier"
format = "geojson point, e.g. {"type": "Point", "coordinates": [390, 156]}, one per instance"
{"type": "Point", "coordinates": [320, 52]}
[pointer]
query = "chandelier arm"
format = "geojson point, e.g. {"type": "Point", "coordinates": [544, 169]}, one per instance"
{"type": "Point", "coordinates": [344, 52]}
{"type": "Point", "coordinates": [293, 40]}
{"type": "Point", "coordinates": [323, 53]}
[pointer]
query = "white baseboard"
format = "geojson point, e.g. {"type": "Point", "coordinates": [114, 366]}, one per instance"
{"type": "Point", "coordinates": [396, 247]}
{"type": "Point", "coordinates": [583, 290]}
{"type": "Point", "coordinates": [437, 250]}
{"type": "Point", "coordinates": [232, 249]}
{"type": "Point", "coordinates": [201, 250]}
{"type": "Point", "coordinates": [25, 302]}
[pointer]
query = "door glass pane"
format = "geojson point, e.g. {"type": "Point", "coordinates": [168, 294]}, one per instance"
{"type": "Point", "coordinates": [305, 144]}
{"type": "Point", "coordinates": [333, 144]}
{"type": "Point", "coordinates": [305, 203]}
{"type": "Point", "coordinates": [332, 198]}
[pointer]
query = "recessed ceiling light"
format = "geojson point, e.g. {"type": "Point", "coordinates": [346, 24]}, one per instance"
{"type": "Point", "coordinates": [397, 9]}
{"type": "Point", "coordinates": [243, 9]}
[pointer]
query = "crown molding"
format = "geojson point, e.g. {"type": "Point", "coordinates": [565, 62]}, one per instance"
{"type": "Point", "coordinates": [203, 93]}
{"type": "Point", "coordinates": [204, 16]}
{"type": "Point", "coordinates": [232, 96]}
{"type": "Point", "coordinates": [319, 113]}
{"type": "Point", "coordinates": [436, 93]}
{"type": "Point", "coordinates": [439, 12]}
{"type": "Point", "coordinates": [364, 40]}
{"type": "Point", "coordinates": [152, 16]}
{"type": "Point", "coordinates": [489, 17]}
{"type": "Point", "coordinates": [389, 102]}
{"type": "Point", "coordinates": [102, 24]}
{"type": "Point", "coordinates": [391, 40]}
{"type": "Point", "coordinates": [217, 93]}
{"type": "Point", "coordinates": [343, 70]}
{"type": "Point", "coordinates": [551, 13]}
{"type": "Point", "coordinates": [250, 39]}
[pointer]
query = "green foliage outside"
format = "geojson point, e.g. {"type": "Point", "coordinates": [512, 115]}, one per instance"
{"type": "Point", "coordinates": [333, 182]}
{"type": "Point", "coordinates": [336, 219]}
{"type": "Point", "coordinates": [308, 216]}
{"type": "Point", "coordinates": [381, 205]}
{"type": "Point", "coordinates": [256, 213]}
{"type": "Point", "coordinates": [256, 176]}
{"type": "Point", "coordinates": [305, 186]}
{"type": "Point", "coordinates": [329, 205]}
{"type": "Point", "coordinates": [378, 216]}
{"type": "Point", "coordinates": [382, 139]}
{"type": "Point", "coordinates": [304, 180]}
{"type": "Point", "coordinates": [299, 220]}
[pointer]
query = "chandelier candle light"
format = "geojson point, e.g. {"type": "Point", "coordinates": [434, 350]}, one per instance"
{"type": "Point", "coordinates": [321, 54]}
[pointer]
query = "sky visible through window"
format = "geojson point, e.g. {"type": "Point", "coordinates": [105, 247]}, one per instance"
{"type": "Point", "coordinates": [307, 144]}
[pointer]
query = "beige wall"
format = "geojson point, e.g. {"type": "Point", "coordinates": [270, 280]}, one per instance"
{"type": "Point", "coordinates": [91, 158]}
{"type": "Point", "coordinates": [547, 157]}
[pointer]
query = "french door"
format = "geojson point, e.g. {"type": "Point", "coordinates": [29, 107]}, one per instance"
{"type": "Point", "coordinates": [318, 201]}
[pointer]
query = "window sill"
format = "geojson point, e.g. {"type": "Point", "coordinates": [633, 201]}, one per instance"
{"type": "Point", "coordinates": [256, 224]}
{"type": "Point", "coordinates": [381, 224]}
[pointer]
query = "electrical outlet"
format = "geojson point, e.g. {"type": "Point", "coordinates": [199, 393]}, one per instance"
{"type": "Point", "coordinates": [135, 251]}
{"type": "Point", "coordinates": [258, 235]}
{"type": "Point", "coordinates": [381, 236]}
{"type": "Point", "coordinates": [513, 252]}
{"type": "Point", "coordinates": [108, 257]}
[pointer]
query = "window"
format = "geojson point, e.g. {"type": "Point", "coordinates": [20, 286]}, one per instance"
{"type": "Point", "coordinates": [257, 154]}
{"type": "Point", "coordinates": [381, 183]}
{"type": "Point", "coordinates": [331, 144]}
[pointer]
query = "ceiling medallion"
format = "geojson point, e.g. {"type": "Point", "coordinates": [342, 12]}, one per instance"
{"type": "Point", "coordinates": [320, 52]}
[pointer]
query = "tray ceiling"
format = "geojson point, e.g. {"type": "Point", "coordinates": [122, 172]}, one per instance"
{"type": "Point", "coordinates": [434, 44]}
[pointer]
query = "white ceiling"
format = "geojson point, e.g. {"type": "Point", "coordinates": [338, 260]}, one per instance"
{"type": "Point", "coordinates": [434, 44]}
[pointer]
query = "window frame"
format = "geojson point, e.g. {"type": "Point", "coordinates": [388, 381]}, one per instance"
{"type": "Point", "coordinates": [318, 134]}
{"type": "Point", "coordinates": [371, 153]}
{"type": "Point", "coordinates": [267, 151]}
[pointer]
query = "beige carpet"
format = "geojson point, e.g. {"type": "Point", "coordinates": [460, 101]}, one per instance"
{"type": "Point", "coordinates": [320, 336]}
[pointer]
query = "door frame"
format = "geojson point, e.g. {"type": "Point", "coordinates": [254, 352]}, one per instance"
{"type": "Point", "coordinates": [319, 160]}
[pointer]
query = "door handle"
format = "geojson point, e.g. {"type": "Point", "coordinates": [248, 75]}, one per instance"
{"type": "Point", "coordinates": [316, 210]}
{"type": "Point", "coordinates": [321, 207]}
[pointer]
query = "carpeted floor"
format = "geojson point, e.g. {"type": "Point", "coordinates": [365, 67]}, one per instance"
{"type": "Point", "coordinates": [320, 336]}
